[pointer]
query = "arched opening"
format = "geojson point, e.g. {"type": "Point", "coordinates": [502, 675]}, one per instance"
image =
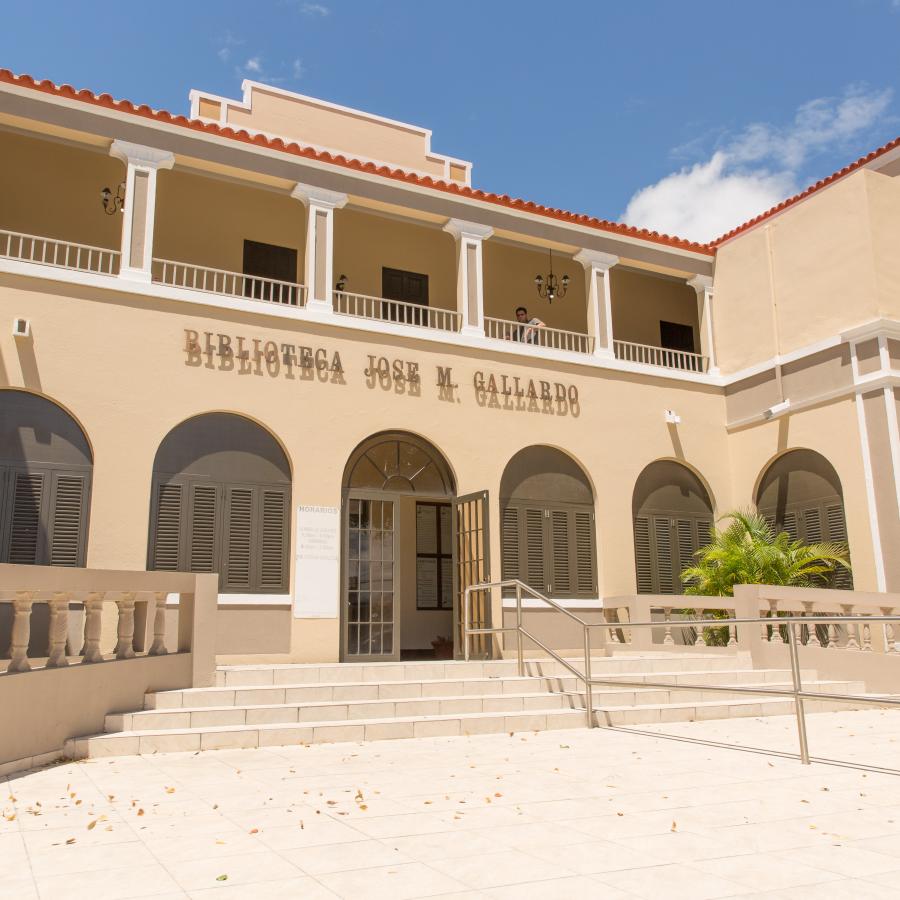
{"type": "Point", "coordinates": [547, 524]}
{"type": "Point", "coordinates": [45, 483]}
{"type": "Point", "coordinates": [800, 493]}
{"type": "Point", "coordinates": [220, 503]}
{"type": "Point", "coordinates": [672, 513]}
{"type": "Point", "coordinates": [399, 569]}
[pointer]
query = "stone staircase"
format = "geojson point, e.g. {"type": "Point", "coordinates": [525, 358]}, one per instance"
{"type": "Point", "coordinates": [277, 705]}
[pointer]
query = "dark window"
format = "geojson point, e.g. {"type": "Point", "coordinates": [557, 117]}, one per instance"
{"type": "Point", "coordinates": [267, 261]}
{"type": "Point", "coordinates": [434, 556]}
{"type": "Point", "coordinates": [408, 287]}
{"type": "Point", "coordinates": [675, 336]}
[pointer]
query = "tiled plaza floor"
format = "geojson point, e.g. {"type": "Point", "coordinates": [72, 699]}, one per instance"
{"type": "Point", "coordinates": [557, 814]}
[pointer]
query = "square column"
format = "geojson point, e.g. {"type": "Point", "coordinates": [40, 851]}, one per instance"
{"type": "Point", "coordinates": [140, 206]}
{"type": "Point", "coordinates": [318, 267]}
{"type": "Point", "coordinates": [599, 299]}
{"type": "Point", "coordinates": [703, 285]}
{"type": "Point", "coordinates": [469, 273]}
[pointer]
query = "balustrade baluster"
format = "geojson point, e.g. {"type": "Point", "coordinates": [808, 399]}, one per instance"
{"type": "Point", "coordinates": [125, 631]}
{"type": "Point", "coordinates": [21, 633]}
{"type": "Point", "coordinates": [812, 635]}
{"type": "Point", "coordinates": [832, 636]}
{"type": "Point", "coordinates": [890, 644]}
{"type": "Point", "coordinates": [852, 633]}
{"type": "Point", "coordinates": [667, 636]}
{"type": "Point", "coordinates": [158, 647]}
{"type": "Point", "coordinates": [866, 636]}
{"type": "Point", "coordinates": [93, 612]}
{"type": "Point", "coordinates": [59, 630]}
{"type": "Point", "coordinates": [732, 634]}
{"type": "Point", "coordinates": [776, 637]}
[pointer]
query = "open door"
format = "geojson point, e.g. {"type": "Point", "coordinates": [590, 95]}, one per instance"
{"type": "Point", "coordinates": [472, 566]}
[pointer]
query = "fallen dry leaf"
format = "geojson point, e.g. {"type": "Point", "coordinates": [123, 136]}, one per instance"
{"type": "Point", "coordinates": [70, 841]}
{"type": "Point", "coordinates": [92, 825]}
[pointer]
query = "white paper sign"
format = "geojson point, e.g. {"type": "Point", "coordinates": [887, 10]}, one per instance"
{"type": "Point", "coordinates": [317, 570]}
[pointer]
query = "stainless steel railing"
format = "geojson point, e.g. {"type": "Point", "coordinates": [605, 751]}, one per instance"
{"type": "Point", "coordinates": [585, 675]}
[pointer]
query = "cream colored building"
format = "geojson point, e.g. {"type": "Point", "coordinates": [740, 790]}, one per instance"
{"type": "Point", "coordinates": [283, 346]}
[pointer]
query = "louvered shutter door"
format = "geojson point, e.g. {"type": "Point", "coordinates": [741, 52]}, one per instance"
{"type": "Point", "coordinates": [560, 553]}
{"type": "Point", "coordinates": [837, 532]}
{"type": "Point", "coordinates": [643, 561]}
{"type": "Point", "coordinates": [202, 556]}
{"type": "Point", "coordinates": [662, 532]}
{"type": "Point", "coordinates": [509, 544]}
{"type": "Point", "coordinates": [24, 530]}
{"type": "Point", "coordinates": [239, 515]}
{"type": "Point", "coordinates": [685, 533]}
{"type": "Point", "coordinates": [534, 549]}
{"type": "Point", "coordinates": [167, 528]}
{"type": "Point", "coordinates": [585, 568]}
{"type": "Point", "coordinates": [273, 544]}
{"type": "Point", "coordinates": [790, 525]}
{"type": "Point", "coordinates": [812, 525]}
{"type": "Point", "coordinates": [67, 519]}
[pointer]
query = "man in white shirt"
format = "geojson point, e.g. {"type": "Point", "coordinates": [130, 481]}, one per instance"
{"type": "Point", "coordinates": [527, 330]}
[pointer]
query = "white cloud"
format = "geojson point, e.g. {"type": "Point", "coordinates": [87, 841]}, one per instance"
{"type": "Point", "coordinates": [297, 69]}
{"type": "Point", "coordinates": [228, 43]}
{"type": "Point", "coordinates": [755, 170]}
{"type": "Point", "coordinates": [314, 9]}
{"type": "Point", "coordinates": [254, 64]}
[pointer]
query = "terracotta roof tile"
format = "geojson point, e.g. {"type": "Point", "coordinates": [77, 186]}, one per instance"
{"type": "Point", "coordinates": [126, 106]}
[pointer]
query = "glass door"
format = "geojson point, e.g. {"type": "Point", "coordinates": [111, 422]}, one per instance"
{"type": "Point", "coordinates": [371, 619]}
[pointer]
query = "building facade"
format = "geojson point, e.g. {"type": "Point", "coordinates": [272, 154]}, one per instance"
{"type": "Point", "coordinates": [279, 340]}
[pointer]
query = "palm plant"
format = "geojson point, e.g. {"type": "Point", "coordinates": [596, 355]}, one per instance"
{"type": "Point", "coordinates": [749, 551]}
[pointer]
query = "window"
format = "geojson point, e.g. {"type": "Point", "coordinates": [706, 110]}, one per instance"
{"type": "Point", "coordinates": [675, 336]}
{"type": "Point", "coordinates": [434, 556]}
{"type": "Point", "coordinates": [267, 261]}
{"type": "Point", "coordinates": [409, 287]}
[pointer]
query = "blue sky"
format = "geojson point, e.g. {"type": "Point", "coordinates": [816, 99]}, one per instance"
{"type": "Point", "coordinates": [688, 117]}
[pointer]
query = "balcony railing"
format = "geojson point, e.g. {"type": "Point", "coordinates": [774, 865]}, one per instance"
{"type": "Point", "coordinates": [660, 356]}
{"type": "Point", "coordinates": [228, 284]}
{"type": "Point", "coordinates": [364, 307]}
{"type": "Point", "coordinates": [61, 254]}
{"type": "Point", "coordinates": [540, 336]}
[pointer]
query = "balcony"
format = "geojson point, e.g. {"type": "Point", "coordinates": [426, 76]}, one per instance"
{"type": "Point", "coordinates": [227, 284]}
{"type": "Point", "coordinates": [59, 254]}
{"type": "Point", "coordinates": [662, 357]}
{"type": "Point", "coordinates": [362, 306]}
{"type": "Point", "coordinates": [540, 336]}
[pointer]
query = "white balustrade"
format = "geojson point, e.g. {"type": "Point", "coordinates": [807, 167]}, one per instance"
{"type": "Point", "coordinates": [227, 284]}
{"type": "Point", "coordinates": [59, 254]}
{"type": "Point", "coordinates": [362, 306]}
{"type": "Point", "coordinates": [648, 355]}
{"type": "Point", "coordinates": [538, 336]}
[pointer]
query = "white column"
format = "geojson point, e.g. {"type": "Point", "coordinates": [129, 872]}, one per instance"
{"type": "Point", "coordinates": [599, 299]}
{"type": "Point", "coordinates": [140, 205]}
{"type": "Point", "coordinates": [318, 267]}
{"type": "Point", "coordinates": [703, 285]}
{"type": "Point", "coordinates": [469, 273]}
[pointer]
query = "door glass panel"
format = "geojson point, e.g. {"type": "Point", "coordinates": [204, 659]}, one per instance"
{"type": "Point", "coordinates": [370, 578]}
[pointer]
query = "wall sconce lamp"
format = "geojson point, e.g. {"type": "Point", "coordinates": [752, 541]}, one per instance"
{"type": "Point", "coordinates": [113, 203]}
{"type": "Point", "coordinates": [341, 283]}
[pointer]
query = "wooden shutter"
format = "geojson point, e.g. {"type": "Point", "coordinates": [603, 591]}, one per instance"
{"type": "Point", "coordinates": [239, 515]}
{"type": "Point", "coordinates": [662, 534]}
{"type": "Point", "coordinates": [68, 514]}
{"type": "Point", "coordinates": [790, 526]}
{"type": "Point", "coordinates": [836, 529]}
{"type": "Point", "coordinates": [643, 560]}
{"type": "Point", "coordinates": [534, 568]}
{"type": "Point", "coordinates": [202, 556]}
{"type": "Point", "coordinates": [812, 525]}
{"type": "Point", "coordinates": [686, 537]}
{"type": "Point", "coordinates": [26, 496]}
{"type": "Point", "coordinates": [273, 544]}
{"type": "Point", "coordinates": [509, 544]}
{"type": "Point", "coordinates": [164, 553]}
{"type": "Point", "coordinates": [560, 552]}
{"type": "Point", "coordinates": [585, 557]}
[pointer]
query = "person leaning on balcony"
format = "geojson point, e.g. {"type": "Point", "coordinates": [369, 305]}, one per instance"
{"type": "Point", "coordinates": [526, 331]}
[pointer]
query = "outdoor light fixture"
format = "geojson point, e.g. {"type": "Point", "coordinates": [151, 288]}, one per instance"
{"type": "Point", "coordinates": [113, 204]}
{"type": "Point", "coordinates": [672, 417]}
{"type": "Point", "coordinates": [341, 283]}
{"type": "Point", "coordinates": [21, 328]}
{"type": "Point", "coordinates": [549, 287]}
{"type": "Point", "coordinates": [777, 410]}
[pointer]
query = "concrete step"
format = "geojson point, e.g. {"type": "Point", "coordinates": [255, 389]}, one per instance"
{"type": "Point", "coordinates": [289, 712]}
{"type": "Point", "coordinates": [303, 692]}
{"type": "Point", "coordinates": [268, 735]}
{"type": "Point", "coordinates": [302, 673]}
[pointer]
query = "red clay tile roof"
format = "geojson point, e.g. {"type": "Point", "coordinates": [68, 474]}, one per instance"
{"type": "Point", "coordinates": [68, 92]}
{"type": "Point", "coordinates": [863, 160]}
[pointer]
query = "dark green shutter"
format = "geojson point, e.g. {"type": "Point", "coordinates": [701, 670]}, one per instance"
{"type": "Point", "coordinates": [167, 528]}
{"type": "Point", "coordinates": [585, 554]}
{"type": "Point", "coordinates": [68, 519]}
{"type": "Point", "coordinates": [509, 544]}
{"type": "Point", "coordinates": [643, 558]}
{"type": "Point", "coordinates": [202, 555]}
{"type": "Point", "coordinates": [561, 552]}
{"type": "Point", "coordinates": [23, 533]}
{"type": "Point", "coordinates": [239, 535]}
{"type": "Point", "coordinates": [273, 542]}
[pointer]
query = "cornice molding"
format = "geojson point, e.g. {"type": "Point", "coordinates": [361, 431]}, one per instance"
{"type": "Point", "coordinates": [141, 156]}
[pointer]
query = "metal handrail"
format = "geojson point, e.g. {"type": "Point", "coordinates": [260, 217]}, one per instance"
{"type": "Point", "coordinates": [585, 676]}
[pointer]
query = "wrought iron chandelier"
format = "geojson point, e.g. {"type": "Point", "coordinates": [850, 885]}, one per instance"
{"type": "Point", "coordinates": [113, 204]}
{"type": "Point", "coordinates": [550, 288]}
